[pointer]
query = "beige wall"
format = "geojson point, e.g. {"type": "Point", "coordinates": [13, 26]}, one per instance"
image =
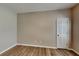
{"type": "Point", "coordinates": [8, 28]}
{"type": "Point", "coordinates": [39, 28]}
{"type": "Point", "coordinates": [75, 12]}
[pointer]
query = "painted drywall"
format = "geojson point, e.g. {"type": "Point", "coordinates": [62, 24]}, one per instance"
{"type": "Point", "coordinates": [39, 28]}
{"type": "Point", "coordinates": [75, 12]}
{"type": "Point", "coordinates": [8, 28]}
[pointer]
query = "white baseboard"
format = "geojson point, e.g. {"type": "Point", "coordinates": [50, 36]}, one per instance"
{"type": "Point", "coordinates": [8, 48]}
{"type": "Point", "coordinates": [36, 46]}
{"type": "Point", "coordinates": [46, 47]}
{"type": "Point", "coordinates": [73, 51]}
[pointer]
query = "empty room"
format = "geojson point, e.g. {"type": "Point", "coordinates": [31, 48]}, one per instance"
{"type": "Point", "coordinates": [39, 29]}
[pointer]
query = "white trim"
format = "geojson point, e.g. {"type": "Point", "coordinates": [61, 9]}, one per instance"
{"type": "Point", "coordinates": [8, 48]}
{"type": "Point", "coordinates": [46, 47]}
{"type": "Point", "coordinates": [73, 50]}
{"type": "Point", "coordinates": [36, 45]}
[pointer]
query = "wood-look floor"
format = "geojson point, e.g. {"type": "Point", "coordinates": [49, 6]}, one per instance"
{"type": "Point", "coordinates": [37, 51]}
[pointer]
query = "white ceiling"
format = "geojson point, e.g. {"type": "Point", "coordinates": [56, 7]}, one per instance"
{"type": "Point", "coordinates": [32, 7]}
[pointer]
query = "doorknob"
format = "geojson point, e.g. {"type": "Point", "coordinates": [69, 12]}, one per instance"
{"type": "Point", "coordinates": [57, 34]}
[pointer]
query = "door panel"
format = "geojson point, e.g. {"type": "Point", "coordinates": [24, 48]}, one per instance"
{"type": "Point", "coordinates": [62, 32]}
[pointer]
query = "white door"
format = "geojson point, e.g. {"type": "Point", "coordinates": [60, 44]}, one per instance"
{"type": "Point", "coordinates": [63, 32]}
